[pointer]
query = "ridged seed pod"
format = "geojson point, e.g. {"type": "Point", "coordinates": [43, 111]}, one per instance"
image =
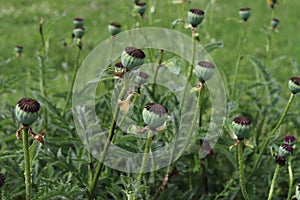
{"type": "Point", "coordinates": [154, 115]}
{"type": "Point", "coordinates": [140, 7]}
{"type": "Point", "coordinates": [78, 32]}
{"type": "Point", "coordinates": [245, 13]}
{"type": "Point", "coordinates": [289, 139]}
{"type": "Point", "coordinates": [285, 150]}
{"type": "Point", "coordinates": [27, 110]}
{"type": "Point", "coordinates": [294, 85]}
{"type": "Point", "coordinates": [241, 127]}
{"type": "Point", "coordinates": [132, 58]}
{"type": "Point", "coordinates": [204, 70]}
{"type": "Point", "coordinates": [78, 22]}
{"type": "Point", "coordinates": [274, 23]}
{"type": "Point", "coordinates": [195, 17]}
{"type": "Point", "coordinates": [114, 28]}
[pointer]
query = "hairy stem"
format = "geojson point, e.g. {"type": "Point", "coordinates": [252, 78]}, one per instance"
{"type": "Point", "coordinates": [271, 135]}
{"type": "Point", "coordinates": [111, 133]}
{"type": "Point", "coordinates": [241, 170]}
{"type": "Point", "coordinates": [290, 177]}
{"type": "Point", "coordinates": [26, 162]}
{"type": "Point", "coordinates": [273, 182]}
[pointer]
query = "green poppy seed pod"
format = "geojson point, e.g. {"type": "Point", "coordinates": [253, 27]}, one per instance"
{"type": "Point", "coordinates": [289, 139]}
{"type": "Point", "coordinates": [294, 85]}
{"type": "Point", "coordinates": [241, 127]}
{"type": "Point", "coordinates": [245, 13]}
{"type": "Point", "coordinates": [195, 17]}
{"type": "Point", "coordinates": [114, 28]}
{"type": "Point", "coordinates": [298, 191]}
{"type": "Point", "coordinates": [78, 22]}
{"type": "Point", "coordinates": [141, 78]}
{"type": "Point", "coordinates": [140, 7]}
{"type": "Point", "coordinates": [132, 58]}
{"type": "Point", "coordinates": [2, 180]}
{"type": "Point", "coordinates": [27, 110]}
{"type": "Point", "coordinates": [119, 67]}
{"type": "Point", "coordinates": [18, 49]}
{"type": "Point", "coordinates": [204, 70]}
{"type": "Point", "coordinates": [274, 23]}
{"type": "Point", "coordinates": [78, 32]}
{"type": "Point", "coordinates": [154, 115]}
{"type": "Point", "coordinates": [285, 150]}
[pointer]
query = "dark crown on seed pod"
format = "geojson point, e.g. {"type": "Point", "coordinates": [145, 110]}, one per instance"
{"type": "Point", "coordinates": [132, 58]}
{"type": "Point", "coordinates": [241, 127]}
{"type": "Point", "coordinates": [245, 13]}
{"type": "Point", "coordinates": [154, 115]}
{"type": "Point", "coordinates": [294, 85]}
{"type": "Point", "coordinates": [195, 17]}
{"type": "Point", "coordinates": [27, 110]}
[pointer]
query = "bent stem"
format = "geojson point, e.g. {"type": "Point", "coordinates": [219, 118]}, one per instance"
{"type": "Point", "coordinates": [26, 162]}
{"type": "Point", "coordinates": [271, 135]}
{"type": "Point", "coordinates": [73, 78]}
{"type": "Point", "coordinates": [273, 182]}
{"type": "Point", "coordinates": [241, 170]}
{"type": "Point", "coordinates": [238, 59]}
{"type": "Point", "coordinates": [290, 177]}
{"type": "Point", "coordinates": [92, 182]}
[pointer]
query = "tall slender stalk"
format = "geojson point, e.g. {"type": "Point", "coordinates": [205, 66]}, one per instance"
{"type": "Point", "coordinates": [273, 182]}
{"type": "Point", "coordinates": [93, 182]}
{"type": "Point", "coordinates": [76, 67]}
{"type": "Point", "coordinates": [241, 170]}
{"type": "Point", "coordinates": [290, 177]}
{"type": "Point", "coordinates": [161, 53]}
{"type": "Point", "coordinates": [269, 136]}
{"type": "Point", "coordinates": [26, 162]}
{"type": "Point", "coordinates": [239, 57]}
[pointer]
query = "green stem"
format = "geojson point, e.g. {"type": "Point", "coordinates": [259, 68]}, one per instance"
{"type": "Point", "coordinates": [201, 92]}
{"type": "Point", "coordinates": [239, 57]}
{"type": "Point", "coordinates": [190, 71]}
{"type": "Point", "coordinates": [291, 177]}
{"type": "Point", "coordinates": [273, 182]}
{"type": "Point", "coordinates": [145, 157]}
{"type": "Point", "coordinates": [269, 136]}
{"type": "Point", "coordinates": [26, 162]}
{"type": "Point", "coordinates": [73, 78]}
{"type": "Point", "coordinates": [161, 53]}
{"type": "Point", "coordinates": [111, 133]}
{"type": "Point", "coordinates": [241, 170]}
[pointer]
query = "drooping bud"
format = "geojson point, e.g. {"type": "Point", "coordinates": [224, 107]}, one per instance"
{"type": "Point", "coordinates": [274, 23]}
{"type": "Point", "coordinates": [294, 85]}
{"type": "Point", "coordinates": [140, 7]}
{"type": "Point", "coordinates": [204, 70]}
{"type": "Point", "coordinates": [132, 58]}
{"type": "Point", "coordinates": [27, 110]}
{"type": "Point", "coordinates": [241, 127]}
{"type": "Point", "coordinates": [245, 13]}
{"type": "Point", "coordinates": [195, 17]}
{"type": "Point", "coordinates": [114, 28]}
{"type": "Point", "coordinates": [285, 150]}
{"type": "Point", "coordinates": [78, 32]}
{"type": "Point", "coordinates": [154, 115]}
{"type": "Point", "coordinates": [289, 139]}
{"type": "Point", "coordinates": [78, 22]}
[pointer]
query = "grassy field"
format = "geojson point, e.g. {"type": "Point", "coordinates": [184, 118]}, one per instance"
{"type": "Point", "coordinates": [62, 168]}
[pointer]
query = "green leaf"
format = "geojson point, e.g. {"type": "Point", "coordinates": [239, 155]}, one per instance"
{"type": "Point", "coordinates": [211, 47]}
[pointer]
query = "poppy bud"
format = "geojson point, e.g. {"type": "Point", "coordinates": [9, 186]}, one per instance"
{"type": "Point", "coordinates": [78, 22]}
{"type": "Point", "coordinates": [140, 7]}
{"type": "Point", "coordinates": [245, 13]}
{"type": "Point", "coordinates": [294, 85]}
{"type": "Point", "coordinates": [114, 28]}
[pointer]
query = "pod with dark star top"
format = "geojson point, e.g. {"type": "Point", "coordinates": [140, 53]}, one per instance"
{"type": "Point", "coordinates": [195, 17]}
{"type": "Point", "coordinates": [114, 28]}
{"type": "Point", "coordinates": [241, 127]}
{"type": "Point", "coordinates": [294, 85]}
{"type": "Point", "coordinates": [27, 110]}
{"type": "Point", "coordinates": [204, 70]}
{"type": "Point", "coordinates": [154, 115]}
{"type": "Point", "coordinates": [132, 58]}
{"type": "Point", "coordinates": [245, 13]}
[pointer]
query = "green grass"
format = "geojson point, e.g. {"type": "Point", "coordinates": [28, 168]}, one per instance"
{"type": "Point", "coordinates": [61, 165]}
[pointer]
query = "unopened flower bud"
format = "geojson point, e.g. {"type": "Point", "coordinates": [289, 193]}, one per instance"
{"type": "Point", "coordinates": [18, 49]}
{"type": "Point", "coordinates": [204, 70]}
{"type": "Point", "coordinates": [27, 110]}
{"type": "Point", "coordinates": [241, 127]}
{"type": "Point", "coordinates": [274, 23]}
{"type": "Point", "coordinates": [195, 17]}
{"type": "Point", "coordinates": [289, 139]}
{"type": "Point", "coordinates": [155, 115]}
{"type": "Point", "coordinates": [132, 58]}
{"type": "Point", "coordinates": [114, 28]}
{"type": "Point", "coordinates": [294, 85]}
{"type": "Point", "coordinates": [245, 13]}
